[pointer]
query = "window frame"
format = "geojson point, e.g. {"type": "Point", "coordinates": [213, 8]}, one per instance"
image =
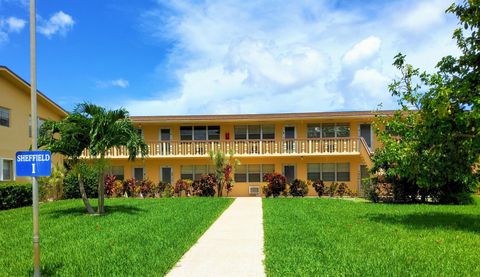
{"type": "Point", "coordinates": [194, 171]}
{"type": "Point", "coordinates": [12, 168]}
{"type": "Point", "coordinates": [335, 173]}
{"type": "Point", "coordinates": [336, 132]}
{"type": "Point", "coordinates": [247, 133]}
{"type": "Point", "coordinates": [9, 119]}
{"type": "Point", "coordinates": [207, 133]}
{"type": "Point", "coordinates": [247, 172]}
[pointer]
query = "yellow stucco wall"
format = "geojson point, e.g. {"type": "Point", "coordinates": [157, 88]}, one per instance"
{"type": "Point", "coordinates": [15, 96]}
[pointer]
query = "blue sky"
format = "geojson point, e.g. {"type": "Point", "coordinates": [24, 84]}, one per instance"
{"type": "Point", "coordinates": [222, 57]}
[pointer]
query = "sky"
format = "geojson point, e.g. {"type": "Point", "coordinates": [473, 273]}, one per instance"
{"type": "Point", "coordinates": [224, 57]}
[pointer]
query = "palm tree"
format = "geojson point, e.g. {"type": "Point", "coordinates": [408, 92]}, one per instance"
{"type": "Point", "coordinates": [93, 128]}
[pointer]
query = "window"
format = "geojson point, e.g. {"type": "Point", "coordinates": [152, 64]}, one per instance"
{"type": "Point", "coordinates": [186, 172]}
{"type": "Point", "coordinates": [343, 172]}
{"type": "Point", "coordinates": [314, 131]}
{"type": "Point", "coordinates": [342, 130]}
{"type": "Point", "coordinates": [213, 132]}
{"type": "Point", "coordinates": [328, 130]}
{"type": "Point", "coordinates": [4, 117]}
{"type": "Point", "coordinates": [268, 131]}
{"type": "Point", "coordinates": [39, 124]}
{"type": "Point", "coordinates": [138, 173]}
{"type": "Point", "coordinates": [199, 132]}
{"type": "Point", "coordinates": [166, 175]}
{"type": "Point", "coordinates": [241, 173]}
{"type": "Point", "coordinates": [199, 170]}
{"type": "Point", "coordinates": [118, 172]}
{"type": "Point", "coordinates": [252, 173]}
{"type": "Point", "coordinates": [6, 170]}
{"type": "Point", "coordinates": [193, 172]}
{"type": "Point", "coordinates": [254, 132]}
{"type": "Point", "coordinates": [329, 172]}
{"type": "Point", "coordinates": [314, 172]}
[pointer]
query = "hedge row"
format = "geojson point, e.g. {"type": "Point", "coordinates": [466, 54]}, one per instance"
{"type": "Point", "coordinates": [13, 195]}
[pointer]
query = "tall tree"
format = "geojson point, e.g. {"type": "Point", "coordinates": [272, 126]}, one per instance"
{"type": "Point", "coordinates": [97, 130]}
{"type": "Point", "coordinates": [435, 146]}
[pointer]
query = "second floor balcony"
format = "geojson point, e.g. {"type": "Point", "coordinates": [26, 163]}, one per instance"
{"type": "Point", "coordinates": [249, 148]}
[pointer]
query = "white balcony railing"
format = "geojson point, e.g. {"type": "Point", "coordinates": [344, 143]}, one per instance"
{"type": "Point", "coordinates": [286, 147]}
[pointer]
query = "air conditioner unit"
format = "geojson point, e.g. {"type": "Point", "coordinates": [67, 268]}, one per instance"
{"type": "Point", "coordinates": [254, 190]}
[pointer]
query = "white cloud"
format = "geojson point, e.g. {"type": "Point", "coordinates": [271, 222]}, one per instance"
{"type": "Point", "coordinates": [15, 24]}
{"type": "Point", "coordinates": [59, 22]}
{"type": "Point", "coordinates": [10, 25]}
{"type": "Point", "coordinates": [363, 50]}
{"type": "Point", "coordinates": [424, 15]}
{"type": "Point", "coordinates": [292, 56]}
{"type": "Point", "coordinates": [119, 83]}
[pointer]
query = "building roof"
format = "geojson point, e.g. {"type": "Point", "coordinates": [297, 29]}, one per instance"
{"type": "Point", "coordinates": [257, 117]}
{"type": "Point", "coordinates": [12, 76]}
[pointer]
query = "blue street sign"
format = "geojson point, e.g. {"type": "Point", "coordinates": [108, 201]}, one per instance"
{"type": "Point", "coordinates": [33, 163]}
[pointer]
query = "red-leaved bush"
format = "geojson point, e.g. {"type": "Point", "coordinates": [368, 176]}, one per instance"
{"type": "Point", "coordinates": [205, 186]}
{"type": "Point", "coordinates": [277, 184]}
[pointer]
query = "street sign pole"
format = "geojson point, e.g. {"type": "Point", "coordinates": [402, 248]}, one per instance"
{"type": "Point", "coordinates": [33, 96]}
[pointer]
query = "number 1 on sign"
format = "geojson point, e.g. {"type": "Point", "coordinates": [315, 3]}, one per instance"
{"type": "Point", "coordinates": [33, 168]}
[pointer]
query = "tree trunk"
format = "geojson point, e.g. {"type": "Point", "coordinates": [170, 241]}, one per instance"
{"type": "Point", "coordinates": [84, 196]}
{"type": "Point", "coordinates": [101, 194]}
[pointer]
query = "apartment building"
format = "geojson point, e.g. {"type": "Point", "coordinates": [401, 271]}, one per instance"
{"type": "Point", "coordinates": [330, 146]}
{"type": "Point", "coordinates": [15, 120]}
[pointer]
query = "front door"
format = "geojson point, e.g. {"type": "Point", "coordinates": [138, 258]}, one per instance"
{"type": "Point", "coordinates": [165, 137]}
{"type": "Point", "coordinates": [289, 172]}
{"type": "Point", "coordinates": [166, 174]}
{"type": "Point", "coordinates": [366, 134]}
{"type": "Point", "coordinates": [289, 136]}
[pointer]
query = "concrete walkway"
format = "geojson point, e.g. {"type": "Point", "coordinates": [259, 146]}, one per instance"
{"type": "Point", "coordinates": [232, 246]}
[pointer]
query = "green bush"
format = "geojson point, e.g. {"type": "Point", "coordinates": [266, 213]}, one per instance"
{"type": "Point", "coordinates": [71, 188]}
{"type": "Point", "coordinates": [298, 188]}
{"type": "Point", "coordinates": [13, 195]}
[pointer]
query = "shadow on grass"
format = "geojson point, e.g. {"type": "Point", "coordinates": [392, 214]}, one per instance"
{"type": "Point", "coordinates": [439, 220]}
{"type": "Point", "coordinates": [48, 269]}
{"type": "Point", "coordinates": [109, 210]}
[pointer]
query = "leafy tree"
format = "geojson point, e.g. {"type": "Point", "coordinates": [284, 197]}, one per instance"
{"type": "Point", "coordinates": [97, 130]}
{"type": "Point", "coordinates": [224, 168]}
{"type": "Point", "coordinates": [433, 148]}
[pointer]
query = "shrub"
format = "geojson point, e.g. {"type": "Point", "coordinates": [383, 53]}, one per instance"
{"type": "Point", "coordinates": [131, 188]}
{"type": "Point", "coordinates": [167, 191]}
{"type": "Point", "coordinates": [343, 189]}
{"type": "Point", "coordinates": [13, 195]}
{"type": "Point", "coordinates": [276, 184]}
{"type": "Point", "coordinates": [298, 188]}
{"type": "Point", "coordinates": [118, 188]}
{"type": "Point", "coordinates": [145, 188]}
{"type": "Point", "coordinates": [319, 187]}
{"type": "Point", "coordinates": [205, 185]}
{"type": "Point", "coordinates": [90, 179]}
{"type": "Point", "coordinates": [110, 185]}
{"type": "Point", "coordinates": [51, 188]}
{"type": "Point", "coordinates": [184, 185]}
{"type": "Point", "coordinates": [332, 189]}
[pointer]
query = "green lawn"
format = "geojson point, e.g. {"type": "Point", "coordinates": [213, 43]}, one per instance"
{"type": "Point", "coordinates": [141, 237]}
{"type": "Point", "coordinates": [328, 237]}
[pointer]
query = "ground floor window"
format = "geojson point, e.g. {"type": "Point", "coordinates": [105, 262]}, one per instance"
{"type": "Point", "coordinates": [139, 173]}
{"type": "Point", "coordinates": [193, 172]}
{"type": "Point", "coordinates": [6, 170]}
{"type": "Point", "coordinates": [118, 172]}
{"type": "Point", "coordinates": [329, 172]}
{"type": "Point", "coordinates": [252, 173]}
